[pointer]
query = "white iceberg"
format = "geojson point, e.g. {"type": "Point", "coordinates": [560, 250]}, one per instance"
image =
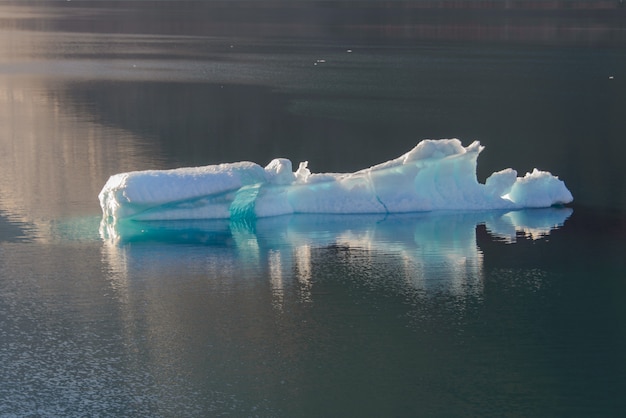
{"type": "Point", "coordinates": [435, 175]}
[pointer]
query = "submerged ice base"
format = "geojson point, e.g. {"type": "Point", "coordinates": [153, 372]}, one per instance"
{"type": "Point", "coordinates": [435, 175]}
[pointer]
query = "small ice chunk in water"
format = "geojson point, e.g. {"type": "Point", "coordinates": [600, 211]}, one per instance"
{"type": "Point", "coordinates": [539, 189]}
{"type": "Point", "coordinates": [434, 175]}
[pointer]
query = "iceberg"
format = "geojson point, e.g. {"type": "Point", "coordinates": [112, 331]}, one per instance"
{"type": "Point", "coordinates": [434, 175]}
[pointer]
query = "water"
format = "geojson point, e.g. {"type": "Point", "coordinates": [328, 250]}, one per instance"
{"type": "Point", "coordinates": [414, 315]}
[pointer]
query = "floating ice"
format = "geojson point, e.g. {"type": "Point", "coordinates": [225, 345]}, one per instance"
{"type": "Point", "coordinates": [435, 175]}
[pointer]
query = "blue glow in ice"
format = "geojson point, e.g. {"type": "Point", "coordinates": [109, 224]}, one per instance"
{"type": "Point", "coordinates": [435, 175]}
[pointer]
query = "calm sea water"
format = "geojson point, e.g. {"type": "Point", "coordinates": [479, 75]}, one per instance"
{"type": "Point", "coordinates": [429, 314]}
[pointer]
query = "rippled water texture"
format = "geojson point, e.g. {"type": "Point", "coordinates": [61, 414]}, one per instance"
{"type": "Point", "coordinates": [426, 314]}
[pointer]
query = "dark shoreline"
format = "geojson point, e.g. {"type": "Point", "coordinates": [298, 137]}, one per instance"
{"type": "Point", "coordinates": [562, 22]}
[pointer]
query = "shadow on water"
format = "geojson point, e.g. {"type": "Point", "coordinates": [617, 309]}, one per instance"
{"type": "Point", "coordinates": [13, 230]}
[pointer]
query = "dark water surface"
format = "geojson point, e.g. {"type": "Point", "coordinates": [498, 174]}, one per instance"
{"type": "Point", "coordinates": [428, 314]}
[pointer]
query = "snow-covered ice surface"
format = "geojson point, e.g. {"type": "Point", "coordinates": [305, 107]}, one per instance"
{"type": "Point", "coordinates": [435, 175]}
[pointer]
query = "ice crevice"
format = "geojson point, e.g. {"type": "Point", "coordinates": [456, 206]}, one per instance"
{"type": "Point", "coordinates": [434, 175]}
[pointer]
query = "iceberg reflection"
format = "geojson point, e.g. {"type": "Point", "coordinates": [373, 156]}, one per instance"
{"type": "Point", "coordinates": [429, 251]}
